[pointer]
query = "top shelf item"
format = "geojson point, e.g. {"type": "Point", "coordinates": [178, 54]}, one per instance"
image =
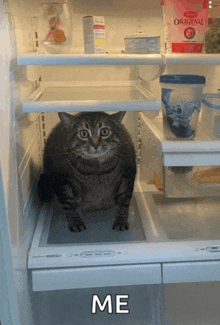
{"type": "Point", "coordinates": [117, 59]}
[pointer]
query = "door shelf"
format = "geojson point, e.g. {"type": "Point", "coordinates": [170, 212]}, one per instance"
{"type": "Point", "coordinates": [117, 59]}
{"type": "Point", "coordinates": [96, 96]}
{"type": "Point", "coordinates": [201, 151]}
{"type": "Point", "coordinates": [200, 156]}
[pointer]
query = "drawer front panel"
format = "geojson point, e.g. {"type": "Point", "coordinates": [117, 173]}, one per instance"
{"type": "Point", "coordinates": [191, 272]}
{"type": "Point", "coordinates": [91, 277]}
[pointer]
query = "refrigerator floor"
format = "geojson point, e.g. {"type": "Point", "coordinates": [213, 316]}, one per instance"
{"type": "Point", "coordinates": [98, 228]}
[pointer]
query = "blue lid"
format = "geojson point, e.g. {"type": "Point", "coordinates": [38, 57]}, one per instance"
{"type": "Point", "coordinates": [182, 79]}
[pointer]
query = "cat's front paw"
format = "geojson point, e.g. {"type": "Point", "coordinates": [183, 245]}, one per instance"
{"type": "Point", "coordinates": [76, 226]}
{"type": "Point", "coordinates": [120, 224]}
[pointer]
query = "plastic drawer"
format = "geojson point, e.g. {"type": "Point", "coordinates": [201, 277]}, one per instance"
{"type": "Point", "coordinates": [191, 272]}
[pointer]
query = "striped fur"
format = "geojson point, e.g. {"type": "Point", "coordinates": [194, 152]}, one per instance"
{"type": "Point", "coordinates": [89, 164]}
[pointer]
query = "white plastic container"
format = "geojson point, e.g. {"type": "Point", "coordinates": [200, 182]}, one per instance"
{"type": "Point", "coordinates": [142, 43]}
{"type": "Point", "coordinates": [185, 24]}
{"type": "Point", "coordinates": [56, 26]}
{"type": "Point", "coordinates": [181, 101]}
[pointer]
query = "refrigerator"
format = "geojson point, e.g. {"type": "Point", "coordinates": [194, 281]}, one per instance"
{"type": "Point", "coordinates": [166, 268]}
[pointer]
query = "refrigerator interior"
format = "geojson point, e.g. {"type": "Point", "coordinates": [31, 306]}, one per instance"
{"type": "Point", "coordinates": [23, 138]}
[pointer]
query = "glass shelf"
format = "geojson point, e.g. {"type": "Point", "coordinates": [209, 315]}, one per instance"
{"type": "Point", "coordinates": [57, 98]}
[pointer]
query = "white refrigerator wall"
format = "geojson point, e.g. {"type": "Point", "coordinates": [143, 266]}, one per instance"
{"type": "Point", "coordinates": [19, 161]}
{"type": "Point", "coordinates": [122, 18]}
{"type": "Point", "coordinates": [20, 138]}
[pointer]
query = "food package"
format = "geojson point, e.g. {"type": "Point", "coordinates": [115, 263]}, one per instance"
{"type": "Point", "coordinates": [210, 175]}
{"type": "Point", "coordinates": [185, 24]}
{"type": "Point", "coordinates": [158, 182]}
{"type": "Point", "coordinates": [94, 34]}
{"type": "Point", "coordinates": [142, 43]}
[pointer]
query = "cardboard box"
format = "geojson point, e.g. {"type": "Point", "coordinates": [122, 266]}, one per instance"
{"type": "Point", "coordinates": [94, 34]}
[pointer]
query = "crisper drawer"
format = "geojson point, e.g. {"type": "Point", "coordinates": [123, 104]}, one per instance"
{"type": "Point", "coordinates": [91, 277]}
{"type": "Point", "coordinates": [191, 272]}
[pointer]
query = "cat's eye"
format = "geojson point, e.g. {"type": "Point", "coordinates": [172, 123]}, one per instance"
{"type": "Point", "coordinates": [104, 132]}
{"type": "Point", "coordinates": [84, 134]}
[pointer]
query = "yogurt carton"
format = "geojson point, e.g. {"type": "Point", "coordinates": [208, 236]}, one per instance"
{"type": "Point", "coordinates": [185, 23]}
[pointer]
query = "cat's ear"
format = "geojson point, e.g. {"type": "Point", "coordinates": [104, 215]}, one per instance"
{"type": "Point", "coordinates": [118, 117]}
{"type": "Point", "coordinates": [67, 119]}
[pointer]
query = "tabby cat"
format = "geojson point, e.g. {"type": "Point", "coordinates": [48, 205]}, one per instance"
{"type": "Point", "coordinates": [89, 164]}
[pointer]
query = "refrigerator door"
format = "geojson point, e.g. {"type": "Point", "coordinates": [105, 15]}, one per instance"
{"type": "Point", "coordinates": [14, 296]}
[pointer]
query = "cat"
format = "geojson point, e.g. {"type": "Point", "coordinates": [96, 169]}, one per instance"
{"type": "Point", "coordinates": [89, 163]}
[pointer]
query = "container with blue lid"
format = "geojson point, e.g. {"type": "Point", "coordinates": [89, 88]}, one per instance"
{"type": "Point", "coordinates": [183, 79]}
{"type": "Point", "coordinates": [181, 102]}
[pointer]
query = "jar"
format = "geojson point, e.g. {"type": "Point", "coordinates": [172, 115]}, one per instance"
{"type": "Point", "coordinates": [212, 37]}
{"type": "Point", "coordinates": [210, 117]}
{"type": "Point", "coordinates": [56, 26]}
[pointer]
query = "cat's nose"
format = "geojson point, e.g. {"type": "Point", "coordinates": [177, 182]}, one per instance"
{"type": "Point", "coordinates": [95, 143]}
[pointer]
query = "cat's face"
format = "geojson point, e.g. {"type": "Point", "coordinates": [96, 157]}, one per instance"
{"type": "Point", "coordinates": [96, 141]}
{"type": "Point", "coordinates": [93, 135]}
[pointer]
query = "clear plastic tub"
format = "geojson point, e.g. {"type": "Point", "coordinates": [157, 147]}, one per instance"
{"type": "Point", "coordinates": [210, 115]}
{"type": "Point", "coordinates": [56, 26]}
{"type": "Point", "coordinates": [181, 101]}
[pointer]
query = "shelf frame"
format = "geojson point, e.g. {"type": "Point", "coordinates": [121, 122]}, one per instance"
{"type": "Point", "coordinates": [89, 59]}
{"type": "Point", "coordinates": [161, 59]}
{"type": "Point", "coordinates": [149, 103]}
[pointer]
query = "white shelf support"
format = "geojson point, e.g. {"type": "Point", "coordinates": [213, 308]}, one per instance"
{"type": "Point", "coordinates": [148, 73]}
